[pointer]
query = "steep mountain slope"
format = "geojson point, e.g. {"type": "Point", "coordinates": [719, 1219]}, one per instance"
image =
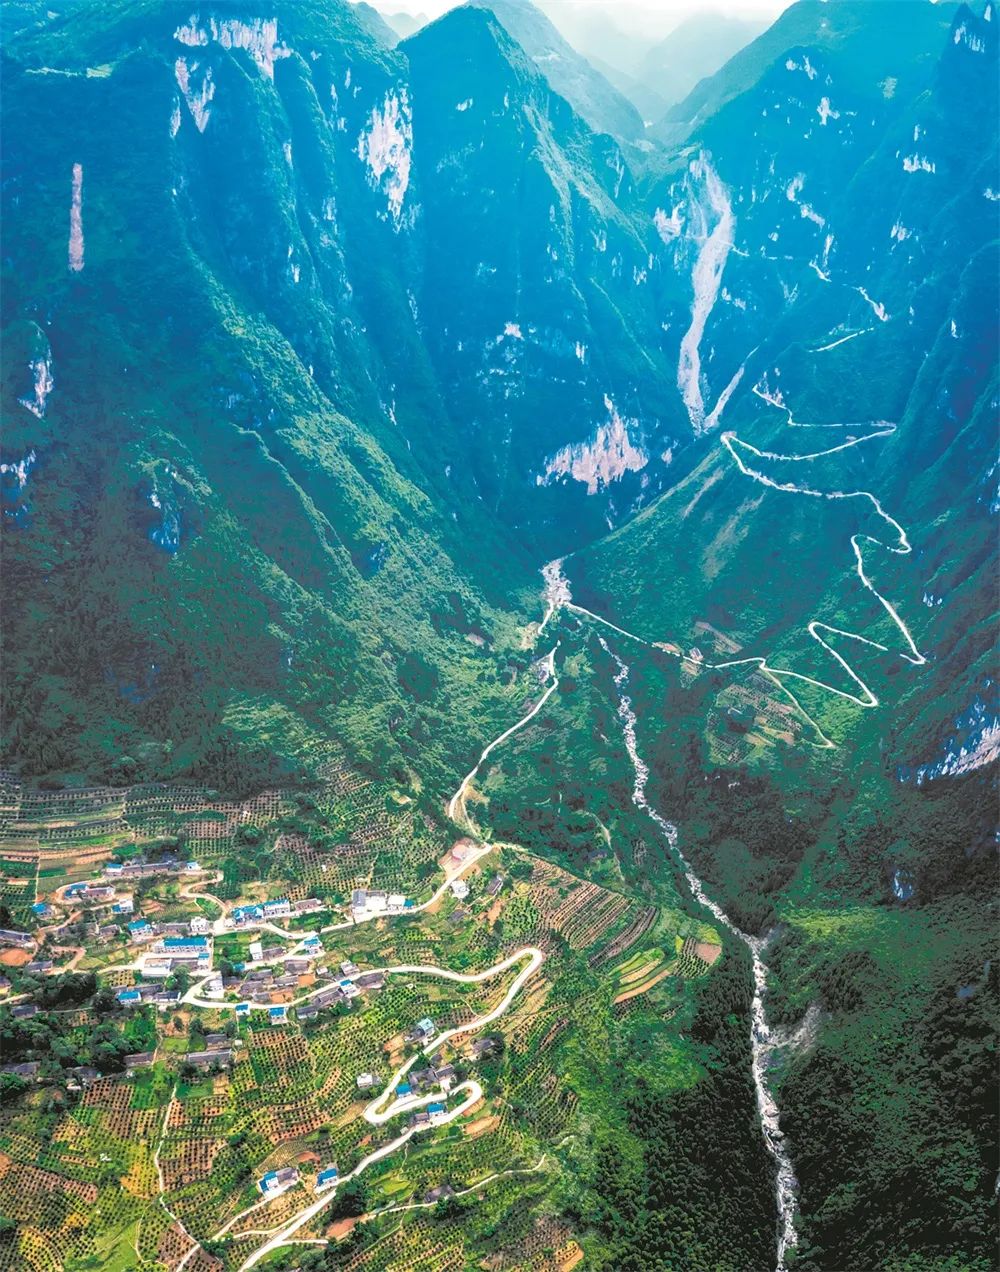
{"type": "Point", "coordinates": [572, 76]}
{"type": "Point", "coordinates": [887, 45]}
{"type": "Point", "coordinates": [815, 606]}
{"type": "Point", "coordinates": [204, 440]}
{"type": "Point", "coordinates": [858, 224]}
{"type": "Point", "coordinates": [412, 374]}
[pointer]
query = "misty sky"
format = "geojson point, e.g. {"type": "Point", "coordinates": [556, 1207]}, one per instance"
{"type": "Point", "coordinates": [628, 14]}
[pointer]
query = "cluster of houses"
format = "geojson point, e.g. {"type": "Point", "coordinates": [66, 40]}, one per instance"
{"type": "Point", "coordinates": [431, 1116]}
{"type": "Point", "coordinates": [171, 953]}
{"type": "Point", "coordinates": [267, 911]}
{"type": "Point", "coordinates": [147, 869]}
{"type": "Point", "coordinates": [163, 999]}
{"type": "Point", "coordinates": [275, 1182]}
{"type": "Point", "coordinates": [142, 931]}
{"type": "Point", "coordinates": [421, 1079]}
{"type": "Point", "coordinates": [19, 939]}
{"type": "Point", "coordinates": [80, 1076]}
{"type": "Point", "coordinates": [352, 984]}
{"type": "Point", "coordinates": [365, 904]}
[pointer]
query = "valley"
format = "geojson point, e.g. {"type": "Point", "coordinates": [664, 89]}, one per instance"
{"type": "Point", "coordinates": [387, 400]}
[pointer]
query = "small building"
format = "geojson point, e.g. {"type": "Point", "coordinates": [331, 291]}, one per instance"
{"type": "Point", "coordinates": [366, 1081]}
{"type": "Point", "coordinates": [446, 1075]}
{"type": "Point", "coordinates": [243, 1009]}
{"type": "Point", "coordinates": [129, 997]}
{"type": "Point", "coordinates": [278, 909]}
{"type": "Point", "coordinates": [278, 1181]}
{"type": "Point", "coordinates": [420, 1119]}
{"type": "Point", "coordinates": [397, 901]}
{"type": "Point", "coordinates": [422, 1031]}
{"type": "Point", "coordinates": [139, 1060]}
{"type": "Point", "coordinates": [256, 951]}
{"type": "Point", "coordinates": [480, 1048]}
{"type": "Point", "coordinates": [85, 1074]}
{"type": "Point", "coordinates": [200, 926]}
{"type": "Point", "coordinates": [216, 1041]}
{"type": "Point", "coordinates": [125, 904]}
{"type": "Point", "coordinates": [9, 937]}
{"type": "Point", "coordinates": [349, 968]}
{"type": "Point", "coordinates": [40, 909]}
{"type": "Point", "coordinates": [404, 1089]}
{"type": "Point", "coordinates": [494, 886]}
{"type": "Point", "coordinates": [459, 889]}
{"type": "Point", "coordinates": [185, 944]}
{"type": "Point", "coordinates": [437, 1109]}
{"type": "Point", "coordinates": [24, 1011]}
{"type": "Point", "coordinates": [40, 966]}
{"type": "Point", "coordinates": [28, 1070]}
{"type": "Point", "coordinates": [348, 988]}
{"type": "Point", "coordinates": [327, 1177]}
{"type": "Point", "coordinates": [307, 1013]}
{"type": "Point", "coordinates": [440, 1193]}
{"type": "Point", "coordinates": [370, 980]}
{"type": "Point", "coordinates": [309, 906]}
{"type": "Point", "coordinates": [297, 966]}
{"type": "Point", "coordinates": [167, 998]}
{"type": "Point", "coordinates": [209, 1059]}
{"type": "Point", "coordinates": [277, 1015]}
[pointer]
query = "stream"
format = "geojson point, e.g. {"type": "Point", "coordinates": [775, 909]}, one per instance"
{"type": "Point", "coordinates": [760, 1036]}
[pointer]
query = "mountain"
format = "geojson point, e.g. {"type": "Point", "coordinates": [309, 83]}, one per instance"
{"type": "Point", "coordinates": [405, 24]}
{"type": "Point", "coordinates": [886, 49]}
{"type": "Point", "coordinates": [275, 460]}
{"type": "Point", "coordinates": [572, 76]}
{"type": "Point", "coordinates": [318, 344]}
{"type": "Point", "coordinates": [646, 100]}
{"type": "Point", "coordinates": [694, 50]}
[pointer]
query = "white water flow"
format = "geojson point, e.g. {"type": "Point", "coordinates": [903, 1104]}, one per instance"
{"type": "Point", "coordinates": [760, 1035]}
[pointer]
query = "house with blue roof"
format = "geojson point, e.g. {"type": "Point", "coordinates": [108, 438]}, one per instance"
{"type": "Point", "coordinates": [185, 942]}
{"type": "Point", "coordinates": [327, 1177]}
{"type": "Point", "coordinates": [277, 1014]}
{"type": "Point", "coordinates": [129, 997]}
{"type": "Point", "coordinates": [277, 1181]}
{"type": "Point", "coordinates": [404, 1088]}
{"type": "Point", "coordinates": [243, 1009]}
{"type": "Point", "coordinates": [39, 908]}
{"type": "Point", "coordinates": [435, 1109]}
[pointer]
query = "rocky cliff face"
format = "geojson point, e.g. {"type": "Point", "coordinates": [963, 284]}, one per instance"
{"type": "Point", "coordinates": [417, 288]}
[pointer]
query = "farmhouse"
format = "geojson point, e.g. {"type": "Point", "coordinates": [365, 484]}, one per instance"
{"type": "Point", "coordinates": [366, 1081]}
{"type": "Point", "coordinates": [278, 1181]}
{"type": "Point", "coordinates": [7, 937]}
{"type": "Point", "coordinates": [440, 1193]}
{"type": "Point", "coordinates": [28, 1070]}
{"type": "Point", "coordinates": [422, 1030]}
{"type": "Point", "coordinates": [327, 1177]}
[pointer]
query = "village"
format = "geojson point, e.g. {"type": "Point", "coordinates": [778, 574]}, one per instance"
{"type": "Point", "coordinates": [270, 1046]}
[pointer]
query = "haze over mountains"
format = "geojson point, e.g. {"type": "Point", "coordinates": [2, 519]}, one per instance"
{"type": "Point", "coordinates": [319, 343]}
